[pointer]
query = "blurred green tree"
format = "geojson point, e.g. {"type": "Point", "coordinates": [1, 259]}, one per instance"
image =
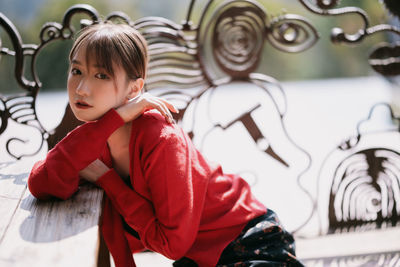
{"type": "Point", "coordinates": [323, 60]}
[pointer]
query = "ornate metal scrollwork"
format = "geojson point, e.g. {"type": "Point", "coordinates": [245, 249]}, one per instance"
{"type": "Point", "coordinates": [338, 35]}
{"type": "Point", "coordinates": [363, 179]}
{"type": "Point", "coordinates": [21, 107]}
{"type": "Point", "coordinates": [223, 48]}
{"type": "Point", "coordinates": [238, 31]}
{"type": "Point", "coordinates": [365, 188]}
{"type": "Point", "coordinates": [228, 40]}
{"type": "Point", "coordinates": [196, 60]}
{"type": "Point", "coordinates": [385, 57]}
{"type": "Point", "coordinates": [238, 37]}
{"type": "Point", "coordinates": [292, 33]}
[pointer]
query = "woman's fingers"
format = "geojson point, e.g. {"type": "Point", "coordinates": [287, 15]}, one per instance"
{"type": "Point", "coordinates": [162, 105]}
{"type": "Point", "coordinates": [153, 103]}
{"type": "Point", "coordinates": [170, 106]}
{"type": "Point", "coordinates": [164, 110]}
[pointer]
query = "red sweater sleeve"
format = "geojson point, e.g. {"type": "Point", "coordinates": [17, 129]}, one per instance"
{"type": "Point", "coordinates": [58, 174]}
{"type": "Point", "coordinates": [177, 182]}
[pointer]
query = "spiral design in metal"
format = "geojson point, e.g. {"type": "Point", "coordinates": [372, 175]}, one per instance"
{"type": "Point", "coordinates": [238, 37]}
{"type": "Point", "coordinates": [366, 188]}
{"type": "Point", "coordinates": [50, 31]}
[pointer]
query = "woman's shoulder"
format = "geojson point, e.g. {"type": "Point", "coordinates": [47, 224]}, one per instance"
{"type": "Point", "coordinates": [153, 125]}
{"type": "Point", "coordinates": [151, 119]}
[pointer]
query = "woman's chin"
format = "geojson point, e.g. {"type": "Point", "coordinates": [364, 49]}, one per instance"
{"type": "Point", "coordinates": [85, 117]}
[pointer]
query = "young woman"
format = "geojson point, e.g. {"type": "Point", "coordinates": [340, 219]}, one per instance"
{"type": "Point", "coordinates": [161, 193]}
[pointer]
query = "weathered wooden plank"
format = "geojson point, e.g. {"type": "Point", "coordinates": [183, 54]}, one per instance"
{"type": "Point", "coordinates": [13, 176]}
{"type": "Point", "coordinates": [7, 210]}
{"type": "Point", "coordinates": [54, 233]}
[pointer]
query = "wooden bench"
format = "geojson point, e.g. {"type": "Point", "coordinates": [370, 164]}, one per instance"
{"type": "Point", "coordinates": [47, 233]}
{"type": "Point", "coordinates": [196, 66]}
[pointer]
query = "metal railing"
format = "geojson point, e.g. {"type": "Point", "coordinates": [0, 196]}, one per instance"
{"type": "Point", "coordinates": [189, 60]}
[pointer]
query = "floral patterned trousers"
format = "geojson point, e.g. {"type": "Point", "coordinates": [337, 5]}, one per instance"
{"type": "Point", "coordinates": [263, 242]}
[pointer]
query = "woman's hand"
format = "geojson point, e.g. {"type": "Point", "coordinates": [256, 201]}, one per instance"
{"type": "Point", "coordinates": [135, 107]}
{"type": "Point", "coordinates": [94, 171]}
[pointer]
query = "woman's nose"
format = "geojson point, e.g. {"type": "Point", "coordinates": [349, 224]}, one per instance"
{"type": "Point", "coordinates": [82, 88]}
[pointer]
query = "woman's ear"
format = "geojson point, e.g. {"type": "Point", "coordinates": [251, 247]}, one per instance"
{"type": "Point", "coordinates": [135, 87]}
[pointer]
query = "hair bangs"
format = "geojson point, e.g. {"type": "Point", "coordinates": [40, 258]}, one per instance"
{"type": "Point", "coordinates": [108, 45]}
{"type": "Point", "coordinates": [101, 53]}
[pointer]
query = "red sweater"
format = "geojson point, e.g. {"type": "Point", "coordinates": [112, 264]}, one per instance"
{"type": "Point", "coordinates": [179, 204]}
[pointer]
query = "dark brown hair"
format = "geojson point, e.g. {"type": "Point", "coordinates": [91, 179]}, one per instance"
{"type": "Point", "coordinates": [109, 43]}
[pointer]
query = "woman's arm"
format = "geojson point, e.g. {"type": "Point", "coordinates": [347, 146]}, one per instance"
{"type": "Point", "coordinates": [58, 174]}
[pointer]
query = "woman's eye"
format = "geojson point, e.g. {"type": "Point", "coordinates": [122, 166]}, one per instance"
{"type": "Point", "coordinates": [102, 76]}
{"type": "Point", "coordinates": [75, 71]}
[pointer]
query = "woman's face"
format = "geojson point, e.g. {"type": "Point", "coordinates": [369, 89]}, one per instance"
{"type": "Point", "coordinates": [92, 91]}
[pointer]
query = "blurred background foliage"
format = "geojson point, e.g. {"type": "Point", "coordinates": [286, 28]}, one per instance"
{"type": "Point", "coordinates": [323, 60]}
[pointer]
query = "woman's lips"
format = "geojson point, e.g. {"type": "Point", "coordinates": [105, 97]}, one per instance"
{"type": "Point", "coordinates": [82, 105]}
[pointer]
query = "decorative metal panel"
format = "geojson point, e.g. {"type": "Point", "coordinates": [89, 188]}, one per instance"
{"type": "Point", "coordinates": [192, 62]}
{"type": "Point", "coordinates": [359, 182]}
